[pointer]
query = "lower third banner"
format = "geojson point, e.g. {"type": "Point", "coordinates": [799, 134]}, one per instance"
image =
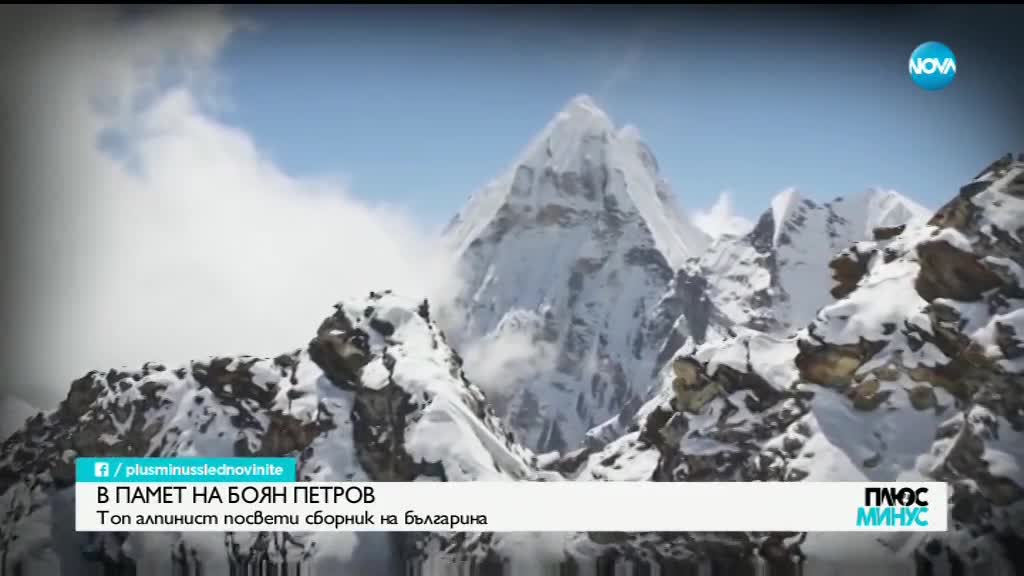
{"type": "Point", "coordinates": [107, 502]}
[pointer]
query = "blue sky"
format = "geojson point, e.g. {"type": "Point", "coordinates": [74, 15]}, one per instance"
{"type": "Point", "coordinates": [420, 107]}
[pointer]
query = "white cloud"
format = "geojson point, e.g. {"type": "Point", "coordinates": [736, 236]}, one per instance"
{"type": "Point", "coordinates": [721, 219]}
{"type": "Point", "coordinates": [187, 241]}
{"type": "Point", "coordinates": [512, 355]}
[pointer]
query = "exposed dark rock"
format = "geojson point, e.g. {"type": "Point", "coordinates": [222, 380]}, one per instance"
{"type": "Point", "coordinates": [555, 215]}
{"type": "Point", "coordinates": [970, 371]}
{"type": "Point", "coordinates": [792, 444]}
{"type": "Point", "coordinates": [285, 361]}
{"type": "Point", "coordinates": [650, 258]}
{"type": "Point", "coordinates": [231, 385]}
{"type": "Point", "coordinates": [945, 329]}
{"type": "Point", "coordinates": [922, 397]}
{"type": "Point", "coordinates": [581, 269]}
{"type": "Point", "coordinates": [652, 431]}
{"type": "Point", "coordinates": [1008, 341]}
{"type": "Point", "coordinates": [960, 213]}
{"type": "Point", "coordinates": [569, 464]}
{"type": "Point", "coordinates": [887, 233]}
{"type": "Point", "coordinates": [688, 370]}
{"type": "Point", "coordinates": [340, 350]}
{"type": "Point", "coordinates": [947, 272]}
{"type": "Point", "coordinates": [848, 267]}
{"type": "Point", "coordinates": [424, 310]}
{"type": "Point", "coordinates": [764, 394]}
{"type": "Point", "coordinates": [998, 167]}
{"type": "Point", "coordinates": [378, 430]}
{"type": "Point", "coordinates": [696, 306]}
{"type": "Point", "coordinates": [81, 395]}
{"type": "Point", "coordinates": [868, 396]}
{"type": "Point", "coordinates": [382, 327]}
{"type": "Point", "coordinates": [833, 365]}
{"type": "Point", "coordinates": [692, 396]}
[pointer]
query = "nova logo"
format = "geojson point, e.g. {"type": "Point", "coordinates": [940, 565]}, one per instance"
{"type": "Point", "coordinates": [893, 507]}
{"type": "Point", "coordinates": [932, 66]}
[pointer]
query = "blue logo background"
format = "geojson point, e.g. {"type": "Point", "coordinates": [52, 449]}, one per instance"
{"type": "Point", "coordinates": [935, 80]}
{"type": "Point", "coordinates": [185, 469]}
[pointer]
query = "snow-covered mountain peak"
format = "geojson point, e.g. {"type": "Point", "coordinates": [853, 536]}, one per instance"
{"type": "Point", "coordinates": [583, 234]}
{"type": "Point", "coordinates": [581, 164]}
{"type": "Point", "coordinates": [572, 135]}
{"type": "Point", "coordinates": [879, 208]}
{"type": "Point", "coordinates": [783, 206]}
{"type": "Point", "coordinates": [777, 276]}
{"type": "Point", "coordinates": [583, 105]}
{"type": "Point", "coordinates": [860, 212]}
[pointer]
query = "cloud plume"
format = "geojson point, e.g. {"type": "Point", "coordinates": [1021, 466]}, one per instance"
{"type": "Point", "coordinates": [151, 230]}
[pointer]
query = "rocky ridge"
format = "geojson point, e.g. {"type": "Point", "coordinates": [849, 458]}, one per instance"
{"type": "Point", "coordinates": [376, 395]}
{"type": "Point", "coordinates": [776, 277]}
{"type": "Point", "coordinates": [914, 373]}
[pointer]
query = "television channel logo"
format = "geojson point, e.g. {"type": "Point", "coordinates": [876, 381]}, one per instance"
{"type": "Point", "coordinates": [932, 66]}
{"type": "Point", "coordinates": [893, 507]}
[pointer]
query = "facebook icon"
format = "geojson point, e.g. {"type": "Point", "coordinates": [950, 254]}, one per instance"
{"type": "Point", "coordinates": [101, 469]}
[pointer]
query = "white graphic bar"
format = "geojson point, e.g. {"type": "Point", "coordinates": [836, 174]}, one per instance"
{"type": "Point", "coordinates": [512, 506]}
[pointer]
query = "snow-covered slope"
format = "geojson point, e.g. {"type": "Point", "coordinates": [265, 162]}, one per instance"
{"type": "Point", "coordinates": [570, 250]}
{"type": "Point", "coordinates": [376, 395]}
{"type": "Point", "coordinates": [776, 277]}
{"type": "Point", "coordinates": [917, 372]}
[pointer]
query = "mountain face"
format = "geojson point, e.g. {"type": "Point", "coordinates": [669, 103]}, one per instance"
{"type": "Point", "coordinates": [776, 277]}
{"type": "Point", "coordinates": [916, 372]}
{"type": "Point", "coordinates": [567, 257]}
{"type": "Point", "coordinates": [859, 339]}
{"type": "Point", "coordinates": [376, 395]}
